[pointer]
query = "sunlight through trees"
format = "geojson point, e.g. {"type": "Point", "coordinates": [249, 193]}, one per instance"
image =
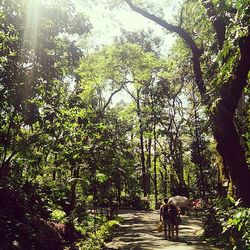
{"type": "Point", "coordinates": [106, 105]}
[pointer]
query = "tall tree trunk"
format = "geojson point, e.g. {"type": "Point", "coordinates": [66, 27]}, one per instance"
{"type": "Point", "coordinates": [141, 132]}
{"type": "Point", "coordinates": [228, 141]}
{"type": "Point", "coordinates": [196, 51]}
{"type": "Point", "coordinates": [119, 191]}
{"type": "Point", "coordinates": [167, 184]}
{"type": "Point", "coordinates": [149, 164]}
{"type": "Point", "coordinates": [155, 171]}
{"type": "Point", "coordinates": [177, 155]}
{"type": "Point", "coordinates": [143, 167]}
{"type": "Point", "coordinates": [180, 163]}
{"type": "Point", "coordinates": [200, 165]}
{"type": "Point", "coordinates": [198, 140]}
{"type": "Point", "coordinates": [164, 176]}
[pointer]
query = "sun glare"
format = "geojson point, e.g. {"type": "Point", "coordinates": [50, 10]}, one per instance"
{"type": "Point", "coordinates": [31, 26]}
{"type": "Point", "coordinates": [107, 23]}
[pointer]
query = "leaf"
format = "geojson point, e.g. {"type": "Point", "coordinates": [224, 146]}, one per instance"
{"type": "Point", "coordinates": [231, 199]}
{"type": "Point", "coordinates": [101, 177]}
{"type": "Point", "coordinates": [76, 156]}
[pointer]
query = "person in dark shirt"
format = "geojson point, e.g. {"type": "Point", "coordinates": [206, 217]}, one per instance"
{"type": "Point", "coordinates": [164, 217]}
{"type": "Point", "coordinates": [173, 221]}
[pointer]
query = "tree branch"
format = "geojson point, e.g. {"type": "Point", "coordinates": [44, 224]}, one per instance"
{"type": "Point", "coordinates": [178, 30]}
{"type": "Point", "coordinates": [218, 22]}
{"type": "Point", "coordinates": [130, 93]}
{"type": "Point", "coordinates": [113, 93]}
{"type": "Point", "coordinates": [197, 52]}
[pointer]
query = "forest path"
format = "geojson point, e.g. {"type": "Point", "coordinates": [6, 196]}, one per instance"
{"type": "Point", "coordinates": [139, 231]}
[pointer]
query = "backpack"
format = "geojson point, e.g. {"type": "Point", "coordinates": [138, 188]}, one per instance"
{"type": "Point", "coordinates": [165, 213]}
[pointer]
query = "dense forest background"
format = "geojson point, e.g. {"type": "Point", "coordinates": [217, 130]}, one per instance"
{"type": "Point", "coordinates": [86, 125]}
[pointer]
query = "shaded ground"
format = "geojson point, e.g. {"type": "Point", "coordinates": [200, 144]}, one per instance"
{"type": "Point", "coordinates": [139, 231]}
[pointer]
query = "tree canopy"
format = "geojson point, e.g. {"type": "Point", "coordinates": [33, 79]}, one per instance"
{"type": "Point", "coordinates": [123, 124]}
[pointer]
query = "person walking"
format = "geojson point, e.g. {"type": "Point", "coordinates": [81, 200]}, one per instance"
{"type": "Point", "coordinates": [164, 218]}
{"type": "Point", "coordinates": [173, 214]}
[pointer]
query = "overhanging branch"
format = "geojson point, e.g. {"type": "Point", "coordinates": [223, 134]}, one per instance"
{"type": "Point", "coordinates": [197, 52]}
{"type": "Point", "coordinates": [178, 30]}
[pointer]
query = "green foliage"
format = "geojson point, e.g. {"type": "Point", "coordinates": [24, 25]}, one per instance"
{"type": "Point", "coordinates": [97, 239]}
{"type": "Point", "coordinates": [61, 131]}
{"type": "Point", "coordinates": [238, 227]}
{"type": "Point", "coordinates": [58, 215]}
{"type": "Point", "coordinates": [225, 218]}
{"type": "Point", "coordinates": [114, 66]}
{"type": "Point", "coordinates": [32, 96]}
{"type": "Point", "coordinates": [101, 177]}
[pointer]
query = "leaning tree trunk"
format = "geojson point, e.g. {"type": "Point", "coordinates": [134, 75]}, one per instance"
{"type": "Point", "coordinates": [225, 132]}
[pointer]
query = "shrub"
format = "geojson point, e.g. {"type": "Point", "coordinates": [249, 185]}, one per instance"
{"type": "Point", "coordinates": [96, 239]}
{"type": "Point", "coordinates": [238, 228]}
{"type": "Point", "coordinates": [232, 222]}
{"type": "Point", "coordinates": [58, 215]}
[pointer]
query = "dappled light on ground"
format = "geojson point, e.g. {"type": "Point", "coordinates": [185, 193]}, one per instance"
{"type": "Point", "coordinates": [139, 231]}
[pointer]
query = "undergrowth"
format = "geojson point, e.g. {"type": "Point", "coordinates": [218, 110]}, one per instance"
{"type": "Point", "coordinates": [97, 238]}
{"type": "Point", "coordinates": [227, 224]}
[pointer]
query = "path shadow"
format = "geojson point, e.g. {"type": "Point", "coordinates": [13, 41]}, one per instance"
{"type": "Point", "coordinates": [139, 231]}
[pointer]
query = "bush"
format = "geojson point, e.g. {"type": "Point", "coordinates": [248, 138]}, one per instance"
{"type": "Point", "coordinates": [58, 215]}
{"type": "Point", "coordinates": [238, 228]}
{"type": "Point", "coordinates": [96, 239]}
{"type": "Point", "coordinates": [232, 222]}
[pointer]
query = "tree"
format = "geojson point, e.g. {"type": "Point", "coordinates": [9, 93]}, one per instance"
{"type": "Point", "coordinates": [29, 90]}
{"type": "Point", "coordinates": [119, 66]}
{"type": "Point", "coordinates": [230, 87]}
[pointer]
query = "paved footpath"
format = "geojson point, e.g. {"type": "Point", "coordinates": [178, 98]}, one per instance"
{"type": "Point", "coordinates": [139, 231]}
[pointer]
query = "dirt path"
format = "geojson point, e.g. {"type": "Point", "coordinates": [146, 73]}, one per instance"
{"type": "Point", "coordinates": [138, 231]}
